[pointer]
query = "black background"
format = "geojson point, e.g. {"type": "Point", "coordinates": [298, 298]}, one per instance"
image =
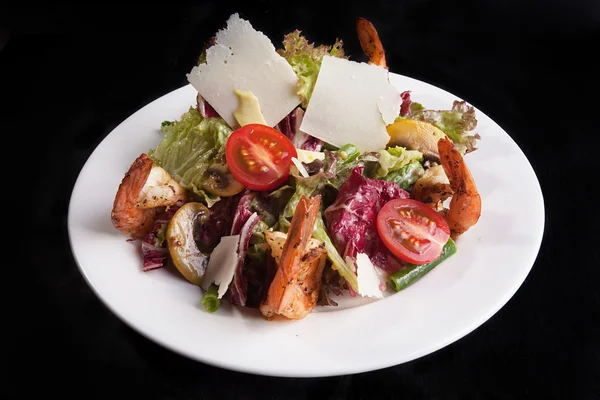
{"type": "Point", "coordinates": [70, 74]}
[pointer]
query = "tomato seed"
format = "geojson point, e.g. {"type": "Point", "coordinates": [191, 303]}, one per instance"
{"type": "Point", "coordinates": [432, 227]}
{"type": "Point", "coordinates": [394, 224]}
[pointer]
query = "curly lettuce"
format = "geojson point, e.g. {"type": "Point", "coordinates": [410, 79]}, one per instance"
{"type": "Point", "coordinates": [458, 123]}
{"type": "Point", "coordinates": [190, 145]}
{"type": "Point", "coordinates": [305, 60]}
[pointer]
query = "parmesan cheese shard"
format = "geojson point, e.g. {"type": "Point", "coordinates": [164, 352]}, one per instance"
{"type": "Point", "coordinates": [244, 58]}
{"type": "Point", "coordinates": [300, 167]}
{"type": "Point", "coordinates": [222, 264]}
{"type": "Point", "coordinates": [368, 281]}
{"type": "Point", "coordinates": [352, 103]}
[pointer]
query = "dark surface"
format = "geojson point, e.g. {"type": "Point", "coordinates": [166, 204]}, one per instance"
{"type": "Point", "coordinates": [69, 75]}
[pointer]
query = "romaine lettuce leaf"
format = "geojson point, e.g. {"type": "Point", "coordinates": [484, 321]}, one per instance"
{"type": "Point", "coordinates": [406, 176]}
{"type": "Point", "coordinates": [346, 270]}
{"type": "Point", "coordinates": [305, 60]}
{"type": "Point", "coordinates": [190, 146]}
{"type": "Point", "coordinates": [394, 158]}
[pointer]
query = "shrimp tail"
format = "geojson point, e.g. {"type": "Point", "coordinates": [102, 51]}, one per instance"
{"type": "Point", "coordinates": [370, 42]}
{"type": "Point", "coordinates": [465, 206]}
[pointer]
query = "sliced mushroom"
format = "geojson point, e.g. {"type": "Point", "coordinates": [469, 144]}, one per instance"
{"type": "Point", "coordinates": [220, 182]}
{"type": "Point", "coordinates": [186, 256]}
{"type": "Point", "coordinates": [416, 135]}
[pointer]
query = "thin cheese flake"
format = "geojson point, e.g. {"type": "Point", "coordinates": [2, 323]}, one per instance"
{"type": "Point", "coordinates": [300, 167]}
{"type": "Point", "coordinates": [222, 264]}
{"type": "Point", "coordinates": [368, 281]}
{"type": "Point", "coordinates": [245, 59]}
{"type": "Point", "coordinates": [352, 103]}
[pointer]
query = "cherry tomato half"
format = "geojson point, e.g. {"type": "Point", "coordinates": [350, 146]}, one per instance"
{"type": "Point", "coordinates": [412, 231]}
{"type": "Point", "coordinates": [259, 156]}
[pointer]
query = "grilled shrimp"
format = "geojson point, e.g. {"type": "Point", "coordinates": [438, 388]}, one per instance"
{"type": "Point", "coordinates": [465, 206]}
{"type": "Point", "coordinates": [432, 188]}
{"type": "Point", "coordinates": [294, 291]}
{"type": "Point", "coordinates": [144, 192]}
{"type": "Point", "coordinates": [450, 179]}
{"type": "Point", "coordinates": [370, 43]}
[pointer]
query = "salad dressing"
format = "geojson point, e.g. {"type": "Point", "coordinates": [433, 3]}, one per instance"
{"type": "Point", "coordinates": [248, 110]}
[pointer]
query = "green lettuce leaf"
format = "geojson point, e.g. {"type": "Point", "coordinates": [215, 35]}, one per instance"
{"type": "Point", "coordinates": [395, 158]}
{"type": "Point", "coordinates": [191, 144]}
{"type": "Point", "coordinates": [458, 123]}
{"type": "Point", "coordinates": [161, 235]}
{"type": "Point", "coordinates": [256, 246]}
{"type": "Point", "coordinates": [346, 270]}
{"type": "Point", "coordinates": [304, 187]}
{"type": "Point", "coordinates": [305, 60]}
{"type": "Point", "coordinates": [406, 176]}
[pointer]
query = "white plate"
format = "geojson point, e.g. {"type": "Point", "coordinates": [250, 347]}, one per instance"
{"type": "Point", "coordinates": [493, 259]}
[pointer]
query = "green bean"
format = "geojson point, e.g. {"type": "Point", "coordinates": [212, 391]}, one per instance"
{"type": "Point", "coordinates": [210, 300]}
{"type": "Point", "coordinates": [409, 274]}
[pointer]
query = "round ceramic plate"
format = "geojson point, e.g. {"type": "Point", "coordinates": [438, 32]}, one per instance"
{"type": "Point", "coordinates": [359, 335]}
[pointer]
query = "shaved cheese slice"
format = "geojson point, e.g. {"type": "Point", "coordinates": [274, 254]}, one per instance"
{"type": "Point", "coordinates": [222, 264]}
{"type": "Point", "coordinates": [307, 156]}
{"type": "Point", "coordinates": [368, 280]}
{"type": "Point", "coordinates": [245, 59]}
{"type": "Point", "coordinates": [352, 103]}
{"type": "Point", "coordinates": [300, 167]}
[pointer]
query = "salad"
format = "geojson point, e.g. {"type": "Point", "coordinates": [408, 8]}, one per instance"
{"type": "Point", "coordinates": [298, 175]}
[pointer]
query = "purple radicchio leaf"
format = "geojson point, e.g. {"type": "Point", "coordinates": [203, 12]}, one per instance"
{"type": "Point", "coordinates": [242, 212]}
{"type": "Point", "coordinates": [205, 109]}
{"type": "Point", "coordinates": [238, 289]}
{"type": "Point", "coordinates": [406, 101]}
{"type": "Point", "coordinates": [312, 144]}
{"type": "Point", "coordinates": [154, 247]}
{"type": "Point", "coordinates": [218, 224]}
{"type": "Point", "coordinates": [290, 127]}
{"type": "Point", "coordinates": [351, 219]}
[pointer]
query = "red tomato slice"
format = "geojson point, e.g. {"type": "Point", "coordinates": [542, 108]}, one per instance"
{"type": "Point", "coordinates": [259, 156]}
{"type": "Point", "coordinates": [412, 231]}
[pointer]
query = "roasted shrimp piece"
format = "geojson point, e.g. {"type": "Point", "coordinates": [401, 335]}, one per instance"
{"type": "Point", "coordinates": [144, 192]}
{"type": "Point", "coordinates": [370, 43]}
{"type": "Point", "coordinates": [465, 206]}
{"type": "Point", "coordinates": [294, 291]}
{"type": "Point", "coordinates": [432, 188]}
